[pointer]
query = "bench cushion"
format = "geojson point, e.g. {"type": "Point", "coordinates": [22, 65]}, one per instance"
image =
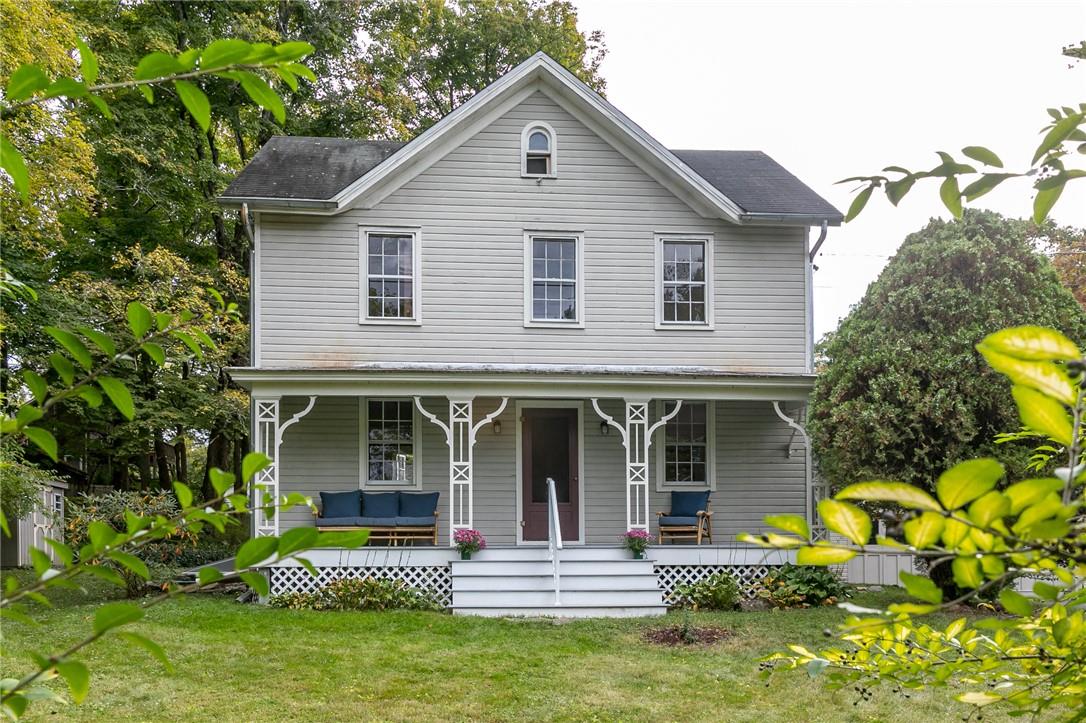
{"type": "Point", "coordinates": [687, 504]}
{"type": "Point", "coordinates": [666, 520]}
{"type": "Point", "coordinates": [352, 521]}
{"type": "Point", "coordinates": [416, 521]}
{"type": "Point", "coordinates": [380, 504]}
{"type": "Point", "coordinates": [418, 504]}
{"type": "Point", "coordinates": [370, 521]}
{"type": "Point", "coordinates": [341, 504]}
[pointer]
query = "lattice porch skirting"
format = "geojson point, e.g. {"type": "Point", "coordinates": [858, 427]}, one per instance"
{"type": "Point", "coordinates": [670, 576]}
{"type": "Point", "coordinates": [434, 579]}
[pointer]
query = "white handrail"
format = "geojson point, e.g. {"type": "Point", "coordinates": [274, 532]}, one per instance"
{"type": "Point", "coordinates": [554, 536]}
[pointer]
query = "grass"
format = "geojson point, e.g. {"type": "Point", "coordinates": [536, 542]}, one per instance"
{"type": "Point", "coordinates": [248, 662]}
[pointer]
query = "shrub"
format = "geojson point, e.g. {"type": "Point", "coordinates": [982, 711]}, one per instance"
{"type": "Point", "coordinates": [801, 586]}
{"type": "Point", "coordinates": [719, 591]}
{"type": "Point", "coordinates": [367, 593]}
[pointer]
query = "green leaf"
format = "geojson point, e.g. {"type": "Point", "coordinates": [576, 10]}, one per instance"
{"type": "Point", "coordinates": [1059, 132]}
{"type": "Point", "coordinates": [67, 87]}
{"type": "Point", "coordinates": [113, 615]}
{"type": "Point", "coordinates": [903, 494]}
{"type": "Point", "coordinates": [293, 50]}
{"type": "Point", "coordinates": [147, 93]}
{"type": "Point", "coordinates": [43, 439]}
{"type": "Point", "coordinates": [1045, 591]}
{"type": "Point", "coordinates": [896, 190]}
{"type": "Point", "coordinates": [72, 343]}
{"type": "Point", "coordinates": [222, 53]}
{"type": "Point", "coordinates": [301, 71]}
{"type": "Point", "coordinates": [11, 160]}
{"type": "Point", "coordinates": [139, 319]}
{"type": "Point", "coordinates": [296, 539]}
{"type": "Point", "coordinates": [257, 581]}
{"type": "Point", "coordinates": [262, 94]}
{"type": "Point", "coordinates": [194, 100]}
{"type": "Point", "coordinates": [188, 341]}
{"type": "Point", "coordinates": [36, 384]}
{"type": "Point", "coordinates": [988, 508]}
{"type": "Point", "coordinates": [184, 494]}
{"type": "Point", "coordinates": [28, 414]}
{"type": "Point", "coordinates": [1032, 343]}
{"type": "Point", "coordinates": [346, 539]}
{"type": "Point", "coordinates": [923, 531]}
{"type": "Point", "coordinates": [819, 555]}
{"type": "Point", "coordinates": [63, 551]}
{"type": "Point", "coordinates": [1043, 414]}
{"type": "Point", "coordinates": [41, 562]}
{"type": "Point", "coordinates": [253, 463]}
{"type": "Point", "coordinates": [91, 396]}
{"type": "Point", "coordinates": [120, 396]}
{"type": "Point", "coordinates": [221, 481]}
{"type": "Point", "coordinates": [979, 698]}
{"type": "Point", "coordinates": [1043, 376]}
{"type": "Point", "coordinates": [158, 65]}
{"type": "Point", "coordinates": [846, 519]}
{"type": "Point", "coordinates": [100, 340]}
{"type": "Point", "coordinates": [1044, 201]}
{"type": "Point", "coordinates": [287, 77]}
{"type": "Point", "coordinates": [967, 572]}
{"type": "Point", "coordinates": [1048, 530]}
{"type": "Point", "coordinates": [15, 705]}
{"type": "Point", "coordinates": [255, 551]}
{"type": "Point", "coordinates": [922, 588]}
{"type": "Point", "coordinates": [88, 63]}
{"type": "Point", "coordinates": [858, 203]}
{"type": "Point", "coordinates": [27, 80]}
{"type": "Point", "coordinates": [150, 646]}
{"type": "Point", "coordinates": [208, 575]}
{"type": "Point", "coordinates": [64, 368]}
{"type": "Point", "coordinates": [951, 196]}
{"type": "Point", "coordinates": [982, 154]}
{"type": "Point", "coordinates": [954, 533]}
{"type": "Point", "coordinates": [1031, 491]}
{"type": "Point", "coordinates": [790, 523]}
{"type": "Point", "coordinates": [100, 534]}
{"type": "Point", "coordinates": [101, 106]}
{"type": "Point", "coordinates": [106, 573]}
{"type": "Point", "coordinates": [158, 356]}
{"type": "Point", "coordinates": [131, 562]}
{"type": "Point", "coordinates": [77, 676]}
{"type": "Point", "coordinates": [966, 481]}
{"type": "Point", "coordinates": [984, 184]}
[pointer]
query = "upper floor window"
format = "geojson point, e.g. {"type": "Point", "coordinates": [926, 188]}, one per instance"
{"type": "Point", "coordinates": [554, 292]}
{"type": "Point", "coordinates": [390, 274]}
{"type": "Point", "coordinates": [538, 151]}
{"type": "Point", "coordinates": [686, 457]}
{"type": "Point", "coordinates": [684, 288]}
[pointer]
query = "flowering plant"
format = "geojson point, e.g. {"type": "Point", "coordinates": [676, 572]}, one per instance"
{"type": "Point", "coordinates": [469, 540]}
{"type": "Point", "coordinates": [638, 540]}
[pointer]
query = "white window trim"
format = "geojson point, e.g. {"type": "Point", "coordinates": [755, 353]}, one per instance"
{"type": "Point", "coordinates": [710, 296]}
{"type": "Point", "coordinates": [710, 449]}
{"type": "Point", "coordinates": [545, 127]}
{"type": "Point", "coordinates": [529, 322]}
{"type": "Point", "coordinates": [364, 482]}
{"type": "Point", "coordinates": [363, 274]}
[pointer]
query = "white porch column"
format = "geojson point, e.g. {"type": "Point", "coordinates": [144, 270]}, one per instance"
{"type": "Point", "coordinates": [268, 436]}
{"type": "Point", "coordinates": [637, 438]}
{"type": "Point", "coordinates": [460, 436]}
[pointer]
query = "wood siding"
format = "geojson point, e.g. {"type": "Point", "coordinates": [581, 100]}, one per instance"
{"type": "Point", "coordinates": [472, 208]}
{"type": "Point", "coordinates": [755, 477]}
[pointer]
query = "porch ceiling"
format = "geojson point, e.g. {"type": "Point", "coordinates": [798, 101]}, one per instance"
{"type": "Point", "coordinates": [537, 381]}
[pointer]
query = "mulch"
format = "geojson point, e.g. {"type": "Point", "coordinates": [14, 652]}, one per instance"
{"type": "Point", "coordinates": [677, 636]}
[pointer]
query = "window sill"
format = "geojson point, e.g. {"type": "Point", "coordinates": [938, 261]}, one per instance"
{"type": "Point", "coordinates": [683, 326]}
{"type": "Point", "coordinates": [390, 322]}
{"type": "Point", "coordinates": [554, 325]}
{"type": "Point", "coordinates": [539, 175]}
{"type": "Point", "coordinates": [390, 486]}
{"type": "Point", "coordinates": [676, 487]}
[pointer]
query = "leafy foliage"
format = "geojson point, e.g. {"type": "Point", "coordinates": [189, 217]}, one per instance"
{"type": "Point", "coordinates": [990, 531]}
{"type": "Point", "coordinates": [801, 586]}
{"type": "Point", "coordinates": [719, 591]}
{"type": "Point", "coordinates": [368, 593]}
{"type": "Point", "coordinates": [21, 483]}
{"type": "Point", "coordinates": [902, 394]}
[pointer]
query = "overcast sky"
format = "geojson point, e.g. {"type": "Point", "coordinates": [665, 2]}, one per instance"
{"type": "Point", "coordinates": [832, 90]}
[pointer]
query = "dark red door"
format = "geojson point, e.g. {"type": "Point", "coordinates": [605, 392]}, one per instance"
{"type": "Point", "coordinates": [549, 449]}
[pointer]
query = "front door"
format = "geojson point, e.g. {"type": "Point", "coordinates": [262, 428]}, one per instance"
{"type": "Point", "coordinates": [549, 448]}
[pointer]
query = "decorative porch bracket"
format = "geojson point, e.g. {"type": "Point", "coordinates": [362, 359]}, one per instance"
{"type": "Point", "coordinates": [637, 437]}
{"type": "Point", "coordinates": [269, 436]}
{"type": "Point", "coordinates": [460, 435]}
{"type": "Point", "coordinates": [814, 492]}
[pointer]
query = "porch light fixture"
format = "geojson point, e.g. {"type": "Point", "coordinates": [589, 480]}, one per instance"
{"type": "Point", "coordinates": [605, 428]}
{"type": "Point", "coordinates": [497, 427]}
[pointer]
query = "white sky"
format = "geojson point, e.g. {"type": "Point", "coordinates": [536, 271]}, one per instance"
{"type": "Point", "coordinates": [833, 90]}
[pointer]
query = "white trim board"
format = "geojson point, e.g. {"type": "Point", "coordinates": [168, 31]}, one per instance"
{"type": "Point", "coordinates": [518, 407]}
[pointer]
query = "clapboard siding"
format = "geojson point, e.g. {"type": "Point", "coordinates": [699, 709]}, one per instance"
{"type": "Point", "coordinates": [755, 477]}
{"type": "Point", "coordinates": [473, 207]}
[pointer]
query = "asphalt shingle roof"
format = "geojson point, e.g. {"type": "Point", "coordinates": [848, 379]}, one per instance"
{"type": "Point", "coordinates": [300, 167]}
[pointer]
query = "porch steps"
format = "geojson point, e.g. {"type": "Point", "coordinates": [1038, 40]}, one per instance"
{"type": "Point", "coordinates": [520, 582]}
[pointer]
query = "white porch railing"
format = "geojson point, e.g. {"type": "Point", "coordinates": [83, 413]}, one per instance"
{"type": "Point", "coordinates": [554, 537]}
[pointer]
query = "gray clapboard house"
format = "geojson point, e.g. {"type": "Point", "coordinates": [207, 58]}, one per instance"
{"type": "Point", "coordinates": [532, 288]}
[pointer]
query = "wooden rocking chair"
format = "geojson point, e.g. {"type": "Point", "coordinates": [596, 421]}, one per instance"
{"type": "Point", "coordinates": [690, 518]}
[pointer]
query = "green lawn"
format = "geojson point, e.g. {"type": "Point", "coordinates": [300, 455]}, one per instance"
{"type": "Point", "coordinates": [248, 662]}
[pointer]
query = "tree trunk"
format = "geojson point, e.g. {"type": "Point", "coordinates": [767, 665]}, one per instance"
{"type": "Point", "coordinates": [143, 461]}
{"type": "Point", "coordinates": [181, 454]}
{"type": "Point", "coordinates": [162, 459]}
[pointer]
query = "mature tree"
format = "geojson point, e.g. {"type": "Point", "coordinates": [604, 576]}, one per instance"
{"type": "Point", "coordinates": [903, 394]}
{"type": "Point", "coordinates": [1066, 246]}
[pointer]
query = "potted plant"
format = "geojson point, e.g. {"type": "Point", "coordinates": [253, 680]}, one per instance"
{"type": "Point", "coordinates": [468, 541]}
{"type": "Point", "coordinates": [637, 541]}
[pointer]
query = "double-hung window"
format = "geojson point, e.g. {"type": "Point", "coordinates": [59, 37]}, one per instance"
{"type": "Point", "coordinates": [390, 433]}
{"type": "Point", "coordinates": [685, 459]}
{"type": "Point", "coordinates": [390, 276]}
{"type": "Point", "coordinates": [553, 287]}
{"type": "Point", "coordinates": [684, 281]}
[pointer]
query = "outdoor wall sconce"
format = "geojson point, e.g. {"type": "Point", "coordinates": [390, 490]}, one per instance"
{"type": "Point", "coordinates": [497, 426]}
{"type": "Point", "coordinates": [605, 428]}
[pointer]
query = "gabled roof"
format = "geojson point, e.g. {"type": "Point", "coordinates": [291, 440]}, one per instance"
{"type": "Point", "coordinates": [329, 175]}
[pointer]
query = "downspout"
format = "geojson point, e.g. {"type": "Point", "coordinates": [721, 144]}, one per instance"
{"type": "Point", "coordinates": [820, 241]}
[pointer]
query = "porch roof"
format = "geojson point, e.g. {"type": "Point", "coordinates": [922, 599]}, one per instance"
{"type": "Point", "coordinates": [525, 380]}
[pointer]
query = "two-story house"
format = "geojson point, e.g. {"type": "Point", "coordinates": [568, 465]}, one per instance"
{"type": "Point", "coordinates": [532, 288]}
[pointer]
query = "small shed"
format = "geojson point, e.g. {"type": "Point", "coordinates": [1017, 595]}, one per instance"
{"type": "Point", "coordinates": [47, 521]}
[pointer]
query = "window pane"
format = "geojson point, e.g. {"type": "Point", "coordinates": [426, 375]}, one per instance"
{"type": "Point", "coordinates": [537, 166]}
{"type": "Point", "coordinates": [390, 429]}
{"type": "Point", "coordinates": [391, 270]}
{"type": "Point", "coordinates": [686, 444]}
{"type": "Point", "coordinates": [554, 272]}
{"type": "Point", "coordinates": [538, 141]}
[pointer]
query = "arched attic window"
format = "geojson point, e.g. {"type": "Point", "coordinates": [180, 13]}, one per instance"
{"type": "Point", "coordinates": [538, 151]}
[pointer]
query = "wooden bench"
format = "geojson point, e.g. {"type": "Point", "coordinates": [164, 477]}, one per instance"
{"type": "Point", "coordinates": [392, 517]}
{"type": "Point", "coordinates": [393, 535]}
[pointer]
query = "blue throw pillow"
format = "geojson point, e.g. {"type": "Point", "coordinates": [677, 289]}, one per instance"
{"type": "Point", "coordinates": [341, 504]}
{"type": "Point", "coordinates": [688, 504]}
{"type": "Point", "coordinates": [418, 504]}
{"type": "Point", "coordinates": [380, 504]}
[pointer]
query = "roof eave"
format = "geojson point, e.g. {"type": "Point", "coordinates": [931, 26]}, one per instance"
{"type": "Point", "coordinates": [260, 203]}
{"type": "Point", "coordinates": [792, 219]}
